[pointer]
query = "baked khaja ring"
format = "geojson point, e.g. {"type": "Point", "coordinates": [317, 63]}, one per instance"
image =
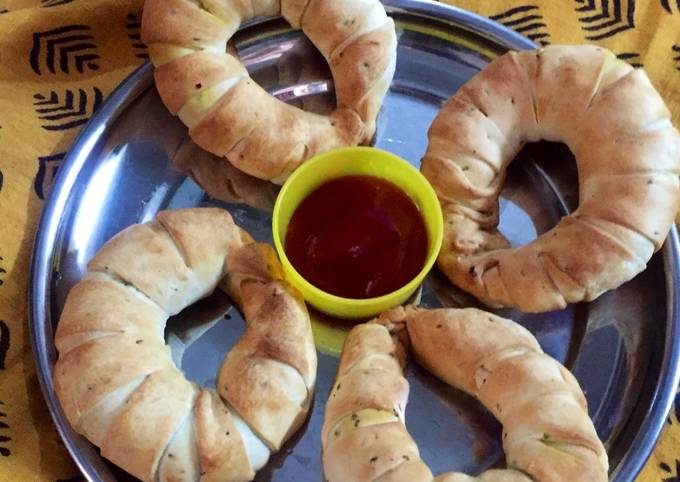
{"type": "Point", "coordinates": [115, 377]}
{"type": "Point", "coordinates": [547, 435]}
{"type": "Point", "coordinates": [628, 157]}
{"type": "Point", "coordinates": [231, 116]}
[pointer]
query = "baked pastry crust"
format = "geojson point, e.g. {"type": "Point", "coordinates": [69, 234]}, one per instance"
{"type": "Point", "coordinates": [628, 157]}
{"type": "Point", "coordinates": [231, 116]}
{"type": "Point", "coordinates": [116, 380]}
{"type": "Point", "coordinates": [547, 434]}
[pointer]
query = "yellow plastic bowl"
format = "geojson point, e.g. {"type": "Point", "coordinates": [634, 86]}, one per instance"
{"type": "Point", "coordinates": [352, 161]}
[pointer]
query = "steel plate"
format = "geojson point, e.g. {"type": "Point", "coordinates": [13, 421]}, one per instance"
{"type": "Point", "coordinates": [623, 348]}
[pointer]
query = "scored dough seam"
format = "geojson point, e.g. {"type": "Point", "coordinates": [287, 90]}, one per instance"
{"type": "Point", "coordinates": [587, 221]}
{"type": "Point", "coordinates": [117, 278]}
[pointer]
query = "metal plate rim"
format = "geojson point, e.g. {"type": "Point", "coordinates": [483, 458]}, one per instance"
{"type": "Point", "coordinates": [55, 204]}
{"type": "Point", "coordinates": [662, 403]}
{"type": "Point", "coordinates": [45, 238]}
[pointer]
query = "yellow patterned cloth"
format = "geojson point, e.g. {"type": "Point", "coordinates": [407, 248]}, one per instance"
{"type": "Point", "coordinates": [59, 59]}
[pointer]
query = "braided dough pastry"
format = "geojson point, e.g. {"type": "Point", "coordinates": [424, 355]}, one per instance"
{"type": "Point", "coordinates": [628, 157]}
{"type": "Point", "coordinates": [115, 377]}
{"type": "Point", "coordinates": [547, 435]}
{"type": "Point", "coordinates": [230, 115]}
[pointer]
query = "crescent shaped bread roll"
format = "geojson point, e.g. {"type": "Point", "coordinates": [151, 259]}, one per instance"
{"type": "Point", "coordinates": [231, 116]}
{"type": "Point", "coordinates": [115, 378]}
{"type": "Point", "coordinates": [628, 157]}
{"type": "Point", "coordinates": [547, 434]}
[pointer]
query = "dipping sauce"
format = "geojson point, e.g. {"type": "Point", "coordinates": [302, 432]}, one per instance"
{"type": "Point", "coordinates": [357, 237]}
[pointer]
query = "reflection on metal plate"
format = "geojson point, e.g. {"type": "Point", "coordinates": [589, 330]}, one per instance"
{"type": "Point", "coordinates": [623, 348]}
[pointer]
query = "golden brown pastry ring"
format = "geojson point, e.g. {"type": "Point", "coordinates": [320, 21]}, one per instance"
{"type": "Point", "coordinates": [547, 435]}
{"type": "Point", "coordinates": [230, 115]}
{"type": "Point", "coordinates": [115, 377]}
{"type": "Point", "coordinates": [628, 157]}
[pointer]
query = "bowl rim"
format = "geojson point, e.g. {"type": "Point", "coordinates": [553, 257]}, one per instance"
{"type": "Point", "coordinates": [433, 248]}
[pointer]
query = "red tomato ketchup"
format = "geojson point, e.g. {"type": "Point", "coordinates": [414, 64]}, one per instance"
{"type": "Point", "coordinates": [357, 237]}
